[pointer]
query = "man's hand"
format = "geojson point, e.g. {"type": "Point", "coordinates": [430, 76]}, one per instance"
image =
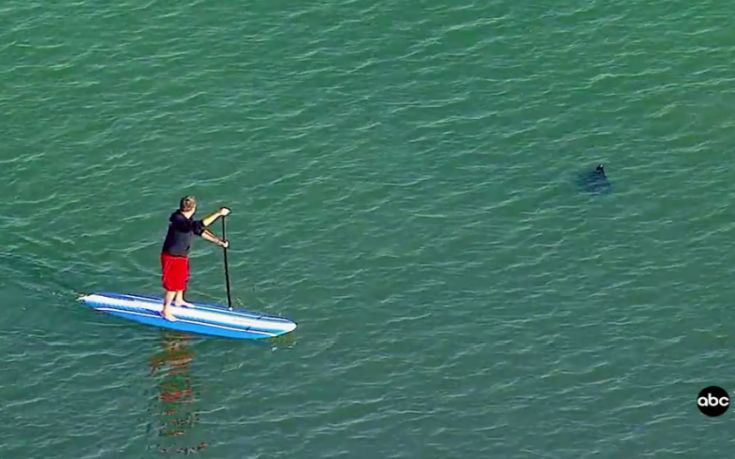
{"type": "Point", "coordinates": [225, 244]}
{"type": "Point", "coordinates": [224, 211]}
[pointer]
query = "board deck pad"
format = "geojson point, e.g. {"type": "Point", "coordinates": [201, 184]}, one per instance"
{"type": "Point", "coordinates": [205, 319]}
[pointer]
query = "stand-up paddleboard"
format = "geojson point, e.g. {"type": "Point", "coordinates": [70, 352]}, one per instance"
{"type": "Point", "coordinates": [206, 319]}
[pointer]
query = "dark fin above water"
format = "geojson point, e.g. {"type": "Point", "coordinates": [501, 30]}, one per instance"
{"type": "Point", "coordinates": [595, 181]}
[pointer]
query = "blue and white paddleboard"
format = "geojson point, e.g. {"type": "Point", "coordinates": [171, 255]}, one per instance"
{"type": "Point", "coordinates": [205, 319]}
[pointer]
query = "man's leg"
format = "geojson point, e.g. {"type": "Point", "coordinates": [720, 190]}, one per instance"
{"type": "Point", "coordinates": [180, 300]}
{"type": "Point", "coordinates": [167, 299]}
{"type": "Point", "coordinates": [184, 281]}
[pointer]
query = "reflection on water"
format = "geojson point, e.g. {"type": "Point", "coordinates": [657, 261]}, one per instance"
{"type": "Point", "coordinates": [176, 396]}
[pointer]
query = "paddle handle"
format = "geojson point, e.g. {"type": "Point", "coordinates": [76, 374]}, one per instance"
{"type": "Point", "coordinates": [227, 268]}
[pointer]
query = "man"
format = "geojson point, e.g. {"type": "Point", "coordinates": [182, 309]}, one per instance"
{"type": "Point", "coordinates": [175, 251]}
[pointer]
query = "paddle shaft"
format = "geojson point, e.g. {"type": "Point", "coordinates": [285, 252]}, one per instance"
{"type": "Point", "coordinates": [227, 268]}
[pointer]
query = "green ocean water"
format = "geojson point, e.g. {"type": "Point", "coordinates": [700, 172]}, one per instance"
{"type": "Point", "coordinates": [402, 177]}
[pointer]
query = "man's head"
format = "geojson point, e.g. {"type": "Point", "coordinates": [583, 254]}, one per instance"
{"type": "Point", "coordinates": [600, 169]}
{"type": "Point", "coordinates": [188, 204]}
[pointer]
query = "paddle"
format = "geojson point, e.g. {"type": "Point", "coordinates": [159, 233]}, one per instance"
{"type": "Point", "coordinates": [227, 270]}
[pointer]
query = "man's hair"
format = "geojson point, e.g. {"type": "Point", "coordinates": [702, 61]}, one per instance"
{"type": "Point", "coordinates": [187, 203]}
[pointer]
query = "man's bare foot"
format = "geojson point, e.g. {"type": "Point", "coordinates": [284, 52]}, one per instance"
{"type": "Point", "coordinates": [168, 315]}
{"type": "Point", "coordinates": [185, 304]}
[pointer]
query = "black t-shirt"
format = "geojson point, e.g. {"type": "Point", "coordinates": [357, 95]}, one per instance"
{"type": "Point", "coordinates": [180, 230]}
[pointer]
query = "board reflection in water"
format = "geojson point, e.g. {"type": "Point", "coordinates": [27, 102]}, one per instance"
{"type": "Point", "coordinates": [176, 413]}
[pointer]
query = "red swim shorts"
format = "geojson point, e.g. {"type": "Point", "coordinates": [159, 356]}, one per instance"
{"type": "Point", "coordinates": [175, 272]}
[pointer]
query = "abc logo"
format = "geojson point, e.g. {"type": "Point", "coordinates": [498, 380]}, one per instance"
{"type": "Point", "coordinates": [713, 401]}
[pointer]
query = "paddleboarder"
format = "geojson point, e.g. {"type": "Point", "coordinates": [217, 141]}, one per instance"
{"type": "Point", "coordinates": [175, 252]}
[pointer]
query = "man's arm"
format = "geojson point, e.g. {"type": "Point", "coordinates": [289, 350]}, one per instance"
{"type": "Point", "coordinates": [209, 219]}
{"type": "Point", "coordinates": [208, 235]}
